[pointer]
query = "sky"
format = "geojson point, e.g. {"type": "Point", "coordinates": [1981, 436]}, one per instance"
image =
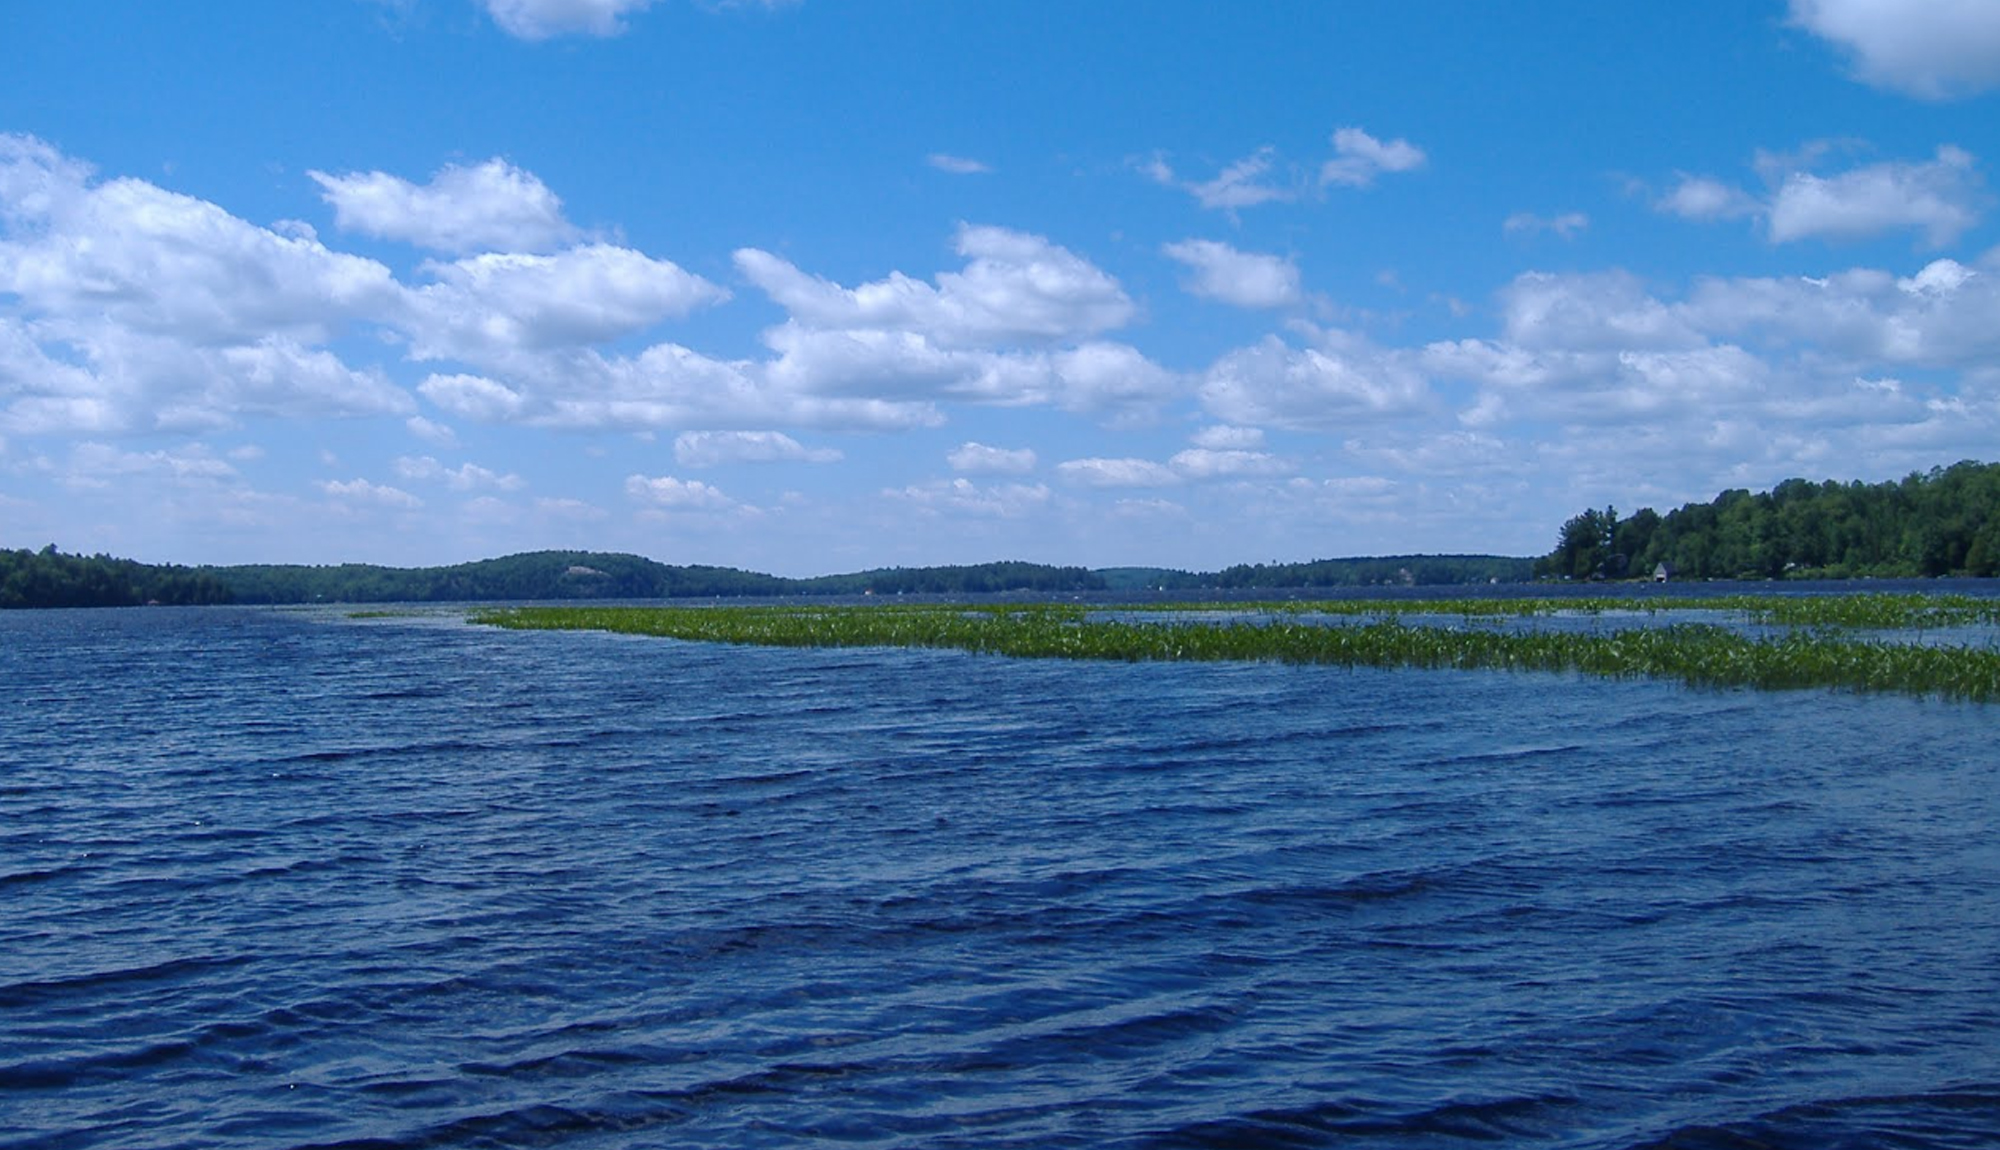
{"type": "Point", "coordinates": [813, 286]}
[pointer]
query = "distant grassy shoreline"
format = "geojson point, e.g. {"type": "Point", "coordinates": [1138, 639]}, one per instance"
{"type": "Point", "coordinates": [1817, 651]}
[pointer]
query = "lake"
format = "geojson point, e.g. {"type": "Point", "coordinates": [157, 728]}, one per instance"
{"type": "Point", "coordinates": [295, 878]}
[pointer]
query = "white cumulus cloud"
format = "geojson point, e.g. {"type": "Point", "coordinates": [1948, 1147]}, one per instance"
{"type": "Point", "coordinates": [362, 492]}
{"type": "Point", "coordinates": [1222, 437]}
{"type": "Point", "coordinates": [1343, 381]}
{"type": "Point", "coordinates": [1210, 463]}
{"type": "Point", "coordinates": [97, 465]}
{"type": "Point", "coordinates": [1015, 287]}
{"type": "Point", "coordinates": [1934, 49]}
{"type": "Point", "coordinates": [542, 19]}
{"type": "Point", "coordinates": [493, 206]}
{"type": "Point", "coordinates": [1118, 473]}
{"type": "Point", "coordinates": [1704, 198]}
{"type": "Point", "coordinates": [964, 497]}
{"type": "Point", "coordinates": [429, 429]}
{"type": "Point", "coordinates": [715, 448]}
{"type": "Point", "coordinates": [488, 306]}
{"type": "Point", "coordinates": [1359, 157]}
{"type": "Point", "coordinates": [978, 457]}
{"type": "Point", "coordinates": [678, 494]}
{"type": "Point", "coordinates": [1940, 198]}
{"type": "Point", "coordinates": [473, 397]}
{"type": "Point", "coordinates": [1245, 279]}
{"type": "Point", "coordinates": [465, 477]}
{"type": "Point", "coordinates": [137, 308]}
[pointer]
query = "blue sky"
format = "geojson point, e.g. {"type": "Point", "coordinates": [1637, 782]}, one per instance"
{"type": "Point", "coordinates": [809, 287]}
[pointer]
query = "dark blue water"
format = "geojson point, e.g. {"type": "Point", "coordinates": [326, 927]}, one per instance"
{"type": "Point", "coordinates": [287, 879]}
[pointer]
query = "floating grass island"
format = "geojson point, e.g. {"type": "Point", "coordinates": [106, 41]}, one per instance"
{"type": "Point", "coordinates": [1807, 641]}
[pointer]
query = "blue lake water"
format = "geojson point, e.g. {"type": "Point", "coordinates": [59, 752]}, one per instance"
{"type": "Point", "coordinates": [290, 878]}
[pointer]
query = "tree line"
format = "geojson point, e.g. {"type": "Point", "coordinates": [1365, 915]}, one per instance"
{"type": "Point", "coordinates": [48, 578]}
{"type": "Point", "coordinates": [1386, 570]}
{"type": "Point", "coordinates": [563, 575]}
{"type": "Point", "coordinates": [1942, 522]}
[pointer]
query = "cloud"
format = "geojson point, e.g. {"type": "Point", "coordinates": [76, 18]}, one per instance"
{"type": "Point", "coordinates": [1360, 157]}
{"type": "Point", "coordinates": [277, 376]}
{"type": "Point", "coordinates": [964, 497]}
{"type": "Point", "coordinates": [1242, 184]}
{"type": "Point", "coordinates": [977, 457]}
{"type": "Point", "coordinates": [677, 494]}
{"type": "Point", "coordinates": [1940, 198]}
{"type": "Point", "coordinates": [715, 448]}
{"type": "Point", "coordinates": [129, 254]}
{"type": "Point", "coordinates": [1245, 279]}
{"type": "Point", "coordinates": [1259, 178]}
{"type": "Point", "coordinates": [1640, 381]}
{"type": "Point", "coordinates": [1118, 473]}
{"type": "Point", "coordinates": [542, 19]}
{"type": "Point", "coordinates": [1941, 317]}
{"type": "Point", "coordinates": [37, 182]}
{"type": "Point", "coordinates": [1565, 225]}
{"type": "Point", "coordinates": [1223, 437]}
{"type": "Point", "coordinates": [1590, 312]}
{"type": "Point", "coordinates": [138, 309]}
{"type": "Point", "coordinates": [98, 465]}
{"type": "Point", "coordinates": [1100, 376]}
{"type": "Point", "coordinates": [360, 492]}
{"type": "Point", "coordinates": [484, 308]}
{"type": "Point", "coordinates": [431, 430]}
{"type": "Point", "coordinates": [1702, 198]}
{"type": "Point", "coordinates": [1329, 387]}
{"type": "Point", "coordinates": [465, 477]}
{"type": "Point", "coordinates": [1095, 376]}
{"type": "Point", "coordinates": [1016, 287]}
{"type": "Point", "coordinates": [138, 383]}
{"type": "Point", "coordinates": [1939, 50]}
{"type": "Point", "coordinates": [664, 386]}
{"type": "Point", "coordinates": [1012, 328]}
{"type": "Point", "coordinates": [957, 165]}
{"type": "Point", "coordinates": [1209, 463]}
{"type": "Point", "coordinates": [491, 207]}
{"type": "Point", "coordinates": [473, 397]}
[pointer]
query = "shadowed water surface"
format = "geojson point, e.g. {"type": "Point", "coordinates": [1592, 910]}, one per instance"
{"type": "Point", "coordinates": [297, 879]}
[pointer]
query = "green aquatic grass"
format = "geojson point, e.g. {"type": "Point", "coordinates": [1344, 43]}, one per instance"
{"type": "Point", "coordinates": [1866, 611]}
{"type": "Point", "coordinates": [1697, 654]}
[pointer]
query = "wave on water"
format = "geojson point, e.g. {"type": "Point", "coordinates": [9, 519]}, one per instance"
{"type": "Point", "coordinates": [392, 884]}
{"type": "Point", "coordinates": [1966, 1118]}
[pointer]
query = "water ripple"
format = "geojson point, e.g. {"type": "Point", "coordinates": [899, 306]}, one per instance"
{"type": "Point", "coordinates": [293, 879]}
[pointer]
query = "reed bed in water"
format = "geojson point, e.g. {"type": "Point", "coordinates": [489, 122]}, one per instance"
{"type": "Point", "coordinates": [1908, 611]}
{"type": "Point", "coordinates": [1698, 654]}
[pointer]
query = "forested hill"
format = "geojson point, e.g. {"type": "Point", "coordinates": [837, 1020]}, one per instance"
{"type": "Point", "coordinates": [595, 575]}
{"type": "Point", "coordinates": [48, 578]}
{"type": "Point", "coordinates": [1388, 570]}
{"type": "Point", "coordinates": [531, 575]}
{"type": "Point", "coordinates": [1363, 571]}
{"type": "Point", "coordinates": [1942, 522]}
